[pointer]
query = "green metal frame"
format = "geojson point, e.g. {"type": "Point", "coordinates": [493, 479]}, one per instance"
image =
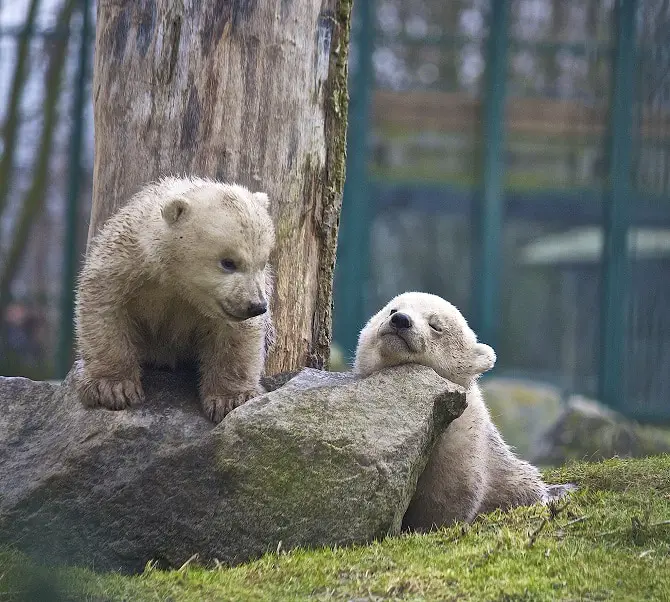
{"type": "Point", "coordinates": [615, 283]}
{"type": "Point", "coordinates": [70, 246]}
{"type": "Point", "coordinates": [488, 223]}
{"type": "Point", "coordinates": [353, 251]}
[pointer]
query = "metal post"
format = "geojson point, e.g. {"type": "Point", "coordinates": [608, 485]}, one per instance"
{"type": "Point", "coordinates": [354, 240]}
{"type": "Point", "coordinates": [70, 247]}
{"type": "Point", "coordinates": [489, 219]}
{"type": "Point", "coordinates": [615, 283]}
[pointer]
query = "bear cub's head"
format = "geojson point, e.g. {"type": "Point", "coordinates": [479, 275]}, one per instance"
{"type": "Point", "coordinates": [420, 328]}
{"type": "Point", "coordinates": [215, 243]}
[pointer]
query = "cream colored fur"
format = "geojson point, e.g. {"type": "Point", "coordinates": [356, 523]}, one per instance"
{"type": "Point", "coordinates": [470, 470]}
{"type": "Point", "coordinates": [153, 291]}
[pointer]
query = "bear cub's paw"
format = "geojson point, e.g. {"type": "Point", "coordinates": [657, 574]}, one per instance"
{"type": "Point", "coordinates": [217, 407]}
{"type": "Point", "coordinates": [111, 393]}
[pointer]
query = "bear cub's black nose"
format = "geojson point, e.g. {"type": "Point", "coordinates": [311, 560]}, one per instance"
{"type": "Point", "coordinates": [401, 321]}
{"type": "Point", "coordinates": [256, 309]}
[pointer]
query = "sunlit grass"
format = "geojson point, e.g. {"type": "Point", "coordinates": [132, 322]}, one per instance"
{"type": "Point", "coordinates": [609, 541]}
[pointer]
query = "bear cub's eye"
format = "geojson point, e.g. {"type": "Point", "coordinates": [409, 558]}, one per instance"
{"type": "Point", "coordinates": [392, 312]}
{"type": "Point", "coordinates": [435, 327]}
{"type": "Point", "coordinates": [228, 265]}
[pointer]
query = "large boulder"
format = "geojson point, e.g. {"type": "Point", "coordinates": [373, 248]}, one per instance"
{"type": "Point", "coordinates": [325, 459]}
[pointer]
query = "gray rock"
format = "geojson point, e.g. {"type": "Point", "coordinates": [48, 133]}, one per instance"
{"type": "Point", "coordinates": [325, 459]}
{"type": "Point", "coordinates": [522, 409]}
{"type": "Point", "coordinates": [588, 430]}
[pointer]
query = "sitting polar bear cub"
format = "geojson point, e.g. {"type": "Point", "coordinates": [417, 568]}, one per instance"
{"type": "Point", "coordinates": [470, 470]}
{"type": "Point", "coordinates": [179, 275]}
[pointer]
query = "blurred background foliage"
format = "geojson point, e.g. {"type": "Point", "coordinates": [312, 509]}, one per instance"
{"type": "Point", "coordinates": [46, 141]}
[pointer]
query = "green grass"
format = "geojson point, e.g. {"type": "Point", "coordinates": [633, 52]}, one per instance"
{"type": "Point", "coordinates": [609, 541]}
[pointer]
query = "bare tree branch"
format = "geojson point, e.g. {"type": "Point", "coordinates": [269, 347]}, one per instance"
{"type": "Point", "coordinates": [33, 201]}
{"type": "Point", "coordinates": [10, 128]}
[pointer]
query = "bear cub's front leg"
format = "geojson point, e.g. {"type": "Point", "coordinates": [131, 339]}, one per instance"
{"type": "Point", "coordinates": [218, 406]}
{"type": "Point", "coordinates": [230, 373]}
{"type": "Point", "coordinates": [111, 393]}
{"type": "Point", "coordinates": [110, 374]}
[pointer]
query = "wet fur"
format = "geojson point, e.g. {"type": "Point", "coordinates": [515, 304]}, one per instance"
{"type": "Point", "coordinates": [152, 292]}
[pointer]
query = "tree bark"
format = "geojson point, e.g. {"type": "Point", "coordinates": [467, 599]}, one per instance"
{"type": "Point", "coordinates": [238, 90]}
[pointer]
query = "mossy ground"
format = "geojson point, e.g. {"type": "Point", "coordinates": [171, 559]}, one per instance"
{"type": "Point", "coordinates": [609, 541]}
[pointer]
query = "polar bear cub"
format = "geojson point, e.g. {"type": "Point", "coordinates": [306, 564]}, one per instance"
{"type": "Point", "coordinates": [470, 470]}
{"type": "Point", "coordinates": [179, 274]}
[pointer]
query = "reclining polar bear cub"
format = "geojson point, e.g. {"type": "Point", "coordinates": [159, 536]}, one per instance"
{"type": "Point", "coordinates": [470, 470]}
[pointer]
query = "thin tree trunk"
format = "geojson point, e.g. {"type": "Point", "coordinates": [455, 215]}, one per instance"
{"type": "Point", "coordinates": [253, 92]}
{"type": "Point", "coordinates": [10, 128]}
{"type": "Point", "coordinates": [33, 201]}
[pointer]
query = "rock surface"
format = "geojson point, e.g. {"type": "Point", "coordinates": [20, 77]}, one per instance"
{"type": "Point", "coordinates": [588, 430]}
{"type": "Point", "coordinates": [325, 459]}
{"type": "Point", "coordinates": [522, 409]}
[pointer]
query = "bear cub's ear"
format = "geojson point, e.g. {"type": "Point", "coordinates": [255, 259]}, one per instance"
{"type": "Point", "coordinates": [262, 199]}
{"type": "Point", "coordinates": [175, 209]}
{"type": "Point", "coordinates": [483, 358]}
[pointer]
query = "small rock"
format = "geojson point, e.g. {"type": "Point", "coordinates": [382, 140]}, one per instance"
{"type": "Point", "coordinates": [559, 491]}
{"type": "Point", "coordinates": [522, 409]}
{"type": "Point", "coordinates": [588, 430]}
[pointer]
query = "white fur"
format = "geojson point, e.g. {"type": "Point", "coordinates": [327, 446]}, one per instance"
{"type": "Point", "coordinates": [153, 291]}
{"type": "Point", "coordinates": [471, 469]}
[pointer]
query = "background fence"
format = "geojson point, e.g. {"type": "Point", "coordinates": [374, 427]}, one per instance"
{"type": "Point", "coordinates": [512, 156]}
{"type": "Point", "coordinates": [509, 155]}
{"type": "Point", "coordinates": [45, 177]}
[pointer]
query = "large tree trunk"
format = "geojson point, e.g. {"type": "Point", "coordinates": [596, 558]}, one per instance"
{"type": "Point", "coordinates": [239, 90]}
